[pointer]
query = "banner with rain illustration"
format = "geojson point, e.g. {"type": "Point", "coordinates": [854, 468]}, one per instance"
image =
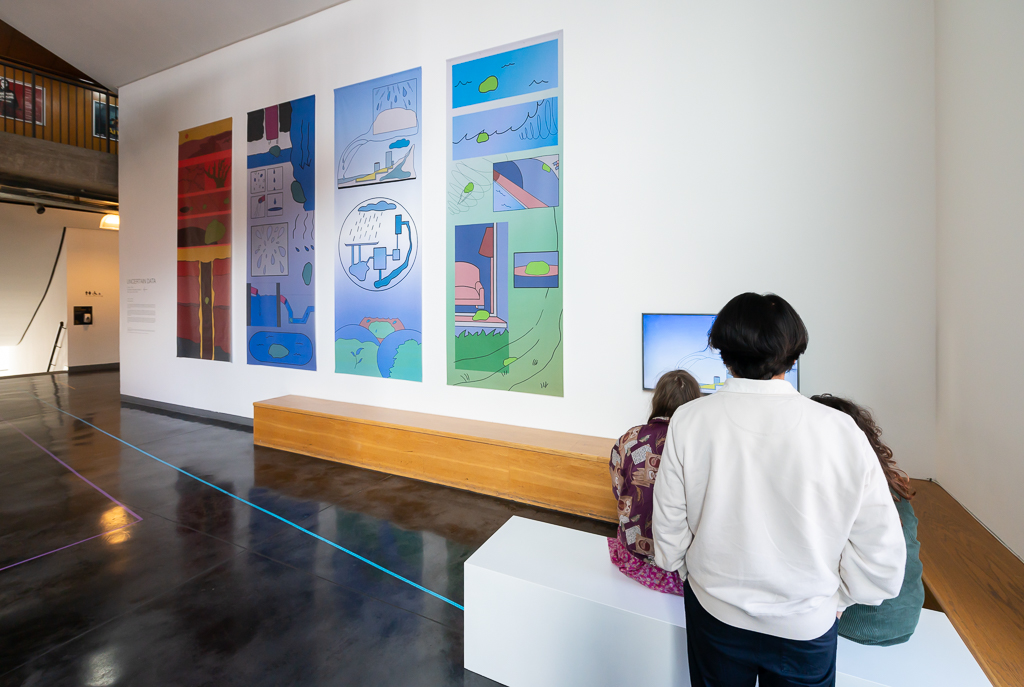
{"type": "Point", "coordinates": [378, 310]}
{"type": "Point", "coordinates": [280, 288]}
{"type": "Point", "coordinates": [504, 218]}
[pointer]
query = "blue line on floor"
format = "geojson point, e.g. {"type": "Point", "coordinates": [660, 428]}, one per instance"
{"type": "Point", "coordinates": [262, 510]}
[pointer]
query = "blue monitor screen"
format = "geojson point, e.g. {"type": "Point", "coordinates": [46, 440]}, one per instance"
{"type": "Point", "coordinates": [680, 342]}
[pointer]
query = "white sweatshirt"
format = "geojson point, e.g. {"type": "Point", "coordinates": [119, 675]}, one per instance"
{"type": "Point", "coordinates": [776, 509]}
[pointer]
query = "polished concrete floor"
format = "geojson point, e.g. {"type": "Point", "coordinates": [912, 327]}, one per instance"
{"type": "Point", "coordinates": [131, 573]}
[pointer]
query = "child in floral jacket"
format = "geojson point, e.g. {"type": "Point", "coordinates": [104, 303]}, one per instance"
{"type": "Point", "coordinates": [634, 467]}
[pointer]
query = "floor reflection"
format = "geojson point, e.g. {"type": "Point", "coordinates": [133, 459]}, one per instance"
{"type": "Point", "coordinates": [209, 590]}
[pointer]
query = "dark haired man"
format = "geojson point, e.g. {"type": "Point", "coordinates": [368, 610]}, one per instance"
{"type": "Point", "coordinates": [774, 509]}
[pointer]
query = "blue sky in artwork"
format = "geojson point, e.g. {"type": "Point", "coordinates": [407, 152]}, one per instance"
{"type": "Point", "coordinates": [514, 72]}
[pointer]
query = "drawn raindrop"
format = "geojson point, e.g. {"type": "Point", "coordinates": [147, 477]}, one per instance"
{"type": "Point", "coordinates": [466, 191]}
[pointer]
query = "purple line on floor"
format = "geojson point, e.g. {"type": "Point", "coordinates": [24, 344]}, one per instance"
{"type": "Point", "coordinates": [47, 452]}
{"type": "Point", "coordinates": [13, 565]}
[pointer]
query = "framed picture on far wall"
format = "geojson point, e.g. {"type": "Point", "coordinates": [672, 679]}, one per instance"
{"type": "Point", "coordinates": [22, 102]}
{"type": "Point", "coordinates": [104, 120]}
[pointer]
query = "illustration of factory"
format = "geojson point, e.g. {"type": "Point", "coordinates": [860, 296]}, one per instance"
{"type": "Point", "coordinates": [391, 171]}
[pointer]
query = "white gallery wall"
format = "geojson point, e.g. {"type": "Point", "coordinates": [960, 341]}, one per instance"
{"type": "Point", "coordinates": [710, 149]}
{"type": "Point", "coordinates": [29, 243]}
{"type": "Point", "coordinates": [980, 63]}
{"type": "Point", "coordinates": [32, 355]}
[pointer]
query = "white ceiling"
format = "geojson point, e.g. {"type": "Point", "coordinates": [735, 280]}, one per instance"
{"type": "Point", "coordinates": [120, 41]}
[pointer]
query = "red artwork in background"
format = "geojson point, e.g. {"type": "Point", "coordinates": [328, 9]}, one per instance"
{"type": "Point", "coordinates": [16, 101]}
{"type": "Point", "coordinates": [204, 242]}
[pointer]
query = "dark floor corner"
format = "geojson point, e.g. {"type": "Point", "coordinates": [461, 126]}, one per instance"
{"type": "Point", "coordinates": [132, 573]}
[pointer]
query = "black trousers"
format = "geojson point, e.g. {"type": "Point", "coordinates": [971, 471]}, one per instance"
{"type": "Point", "coordinates": [721, 655]}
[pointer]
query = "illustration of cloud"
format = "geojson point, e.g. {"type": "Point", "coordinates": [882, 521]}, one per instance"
{"type": "Point", "coordinates": [400, 143]}
{"type": "Point", "coordinates": [379, 206]}
{"type": "Point", "coordinates": [394, 119]}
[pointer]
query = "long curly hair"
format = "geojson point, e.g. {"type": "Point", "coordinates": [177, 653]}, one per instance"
{"type": "Point", "coordinates": [898, 480]}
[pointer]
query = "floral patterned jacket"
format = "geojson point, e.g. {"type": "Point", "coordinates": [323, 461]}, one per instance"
{"type": "Point", "coordinates": [634, 466]}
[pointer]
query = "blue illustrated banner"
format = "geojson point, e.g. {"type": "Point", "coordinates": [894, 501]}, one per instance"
{"type": "Point", "coordinates": [378, 317]}
{"type": "Point", "coordinates": [515, 72]}
{"type": "Point", "coordinates": [505, 234]}
{"type": "Point", "coordinates": [280, 205]}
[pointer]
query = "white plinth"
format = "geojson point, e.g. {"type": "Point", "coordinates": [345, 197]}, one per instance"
{"type": "Point", "coordinates": [546, 608]}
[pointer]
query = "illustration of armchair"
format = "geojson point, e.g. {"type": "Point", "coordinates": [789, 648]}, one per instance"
{"type": "Point", "coordinates": [468, 289]}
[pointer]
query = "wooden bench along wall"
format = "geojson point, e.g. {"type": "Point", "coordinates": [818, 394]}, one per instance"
{"type": "Point", "coordinates": [976, 581]}
{"type": "Point", "coordinates": [565, 472]}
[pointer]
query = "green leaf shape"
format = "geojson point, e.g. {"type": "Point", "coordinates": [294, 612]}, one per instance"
{"type": "Point", "coordinates": [215, 231]}
{"type": "Point", "coordinates": [297, 194]}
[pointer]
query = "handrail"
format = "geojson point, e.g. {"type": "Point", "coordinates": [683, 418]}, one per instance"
{"type": "Point", "coordinates": [40, 105]}
{"type": "Point", "coordinates": [56, 345]}
{"type": "Point", "coordinates": [28, 67]}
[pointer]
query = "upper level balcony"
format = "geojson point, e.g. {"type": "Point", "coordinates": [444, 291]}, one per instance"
{"type": "Point", "coordinates": [57, 136]}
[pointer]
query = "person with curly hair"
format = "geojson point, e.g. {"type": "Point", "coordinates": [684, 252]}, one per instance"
{"type": "Point", "coordinates": [894, 621]}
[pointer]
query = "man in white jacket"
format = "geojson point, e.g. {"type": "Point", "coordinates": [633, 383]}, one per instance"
{"type": "Point", "coordinates": [775, 511]}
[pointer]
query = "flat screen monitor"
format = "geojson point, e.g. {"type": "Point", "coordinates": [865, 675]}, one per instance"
{"type": "Point", "coordinates": [680, 342]}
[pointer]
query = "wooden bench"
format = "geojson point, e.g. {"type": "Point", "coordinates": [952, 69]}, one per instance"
{"type": "Point", "coordinates": [565, 472]}
{"type": "Point", "coordinates": [977, 582]}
